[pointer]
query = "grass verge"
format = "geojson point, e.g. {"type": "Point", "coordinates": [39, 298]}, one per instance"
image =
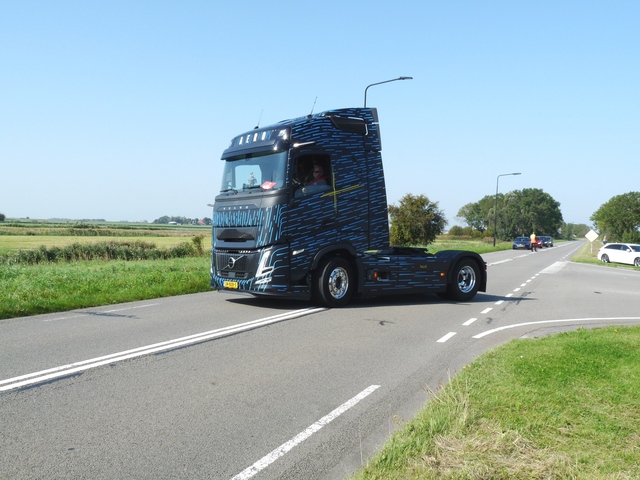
{"type": "Point", "coordinates": [45, 288]}
{"type": "Point", "coordinates": [479, 246]}
{"type": "Point", "coordinates": [564, 406]}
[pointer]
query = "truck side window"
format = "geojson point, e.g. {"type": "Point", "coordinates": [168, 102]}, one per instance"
{"type": "Point", "coordinates": [313, 174]}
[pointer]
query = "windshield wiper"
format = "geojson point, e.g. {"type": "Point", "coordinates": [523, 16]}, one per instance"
{"type": "Point", "coordinates": [229, 190]}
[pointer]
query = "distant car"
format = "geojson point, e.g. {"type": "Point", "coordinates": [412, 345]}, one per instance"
{"type": "Point", "coordinates": [547, 241]}
{"type": "Point", "coordinates": [628, 253]}
{"type": "Point", "coordinates": [522, 242]}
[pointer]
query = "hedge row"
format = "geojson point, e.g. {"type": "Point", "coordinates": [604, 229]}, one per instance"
{"type": "Point", "coordinates": [107, 250]}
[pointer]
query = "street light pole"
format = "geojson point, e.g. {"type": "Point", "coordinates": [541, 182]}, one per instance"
{"type": "Point", "coordinates": [379, 83]}
{"type": "Point", "coordinates": [495, 207]}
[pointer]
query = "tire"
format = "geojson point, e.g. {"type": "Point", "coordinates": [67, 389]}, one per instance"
{"type": "Point", "coordinates": [333, 283]}
{"type": "Point", "coordinates": [636, 262]}
{"type": "Point", "coordinates": [464, 281]}
{"type": "Point", "coordinates": [605, 258]}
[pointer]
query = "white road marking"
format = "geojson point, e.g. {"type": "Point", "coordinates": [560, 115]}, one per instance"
{"type": "Point", "coordinates": [268, 459]}
{"type": "Point", "coordinates": [501, 261]}
{"type": "Point", "coordinates": [45, 375]}
{"type": "Point", "coordinates": [499, 302]}
{"type": "Point", "coordinates": [486, 310]}
{"type": "Point", "coordinates": [489, 332]}
{"type": "Point", "coordinates": [446, 337]}
{"type": "Point", "coordinates": [469, 322]}
{"type": "Point", "coordinates": [555, 268]}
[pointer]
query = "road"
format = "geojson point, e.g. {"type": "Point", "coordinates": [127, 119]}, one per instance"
{"type": "Point", "coordinates": [220, 386]}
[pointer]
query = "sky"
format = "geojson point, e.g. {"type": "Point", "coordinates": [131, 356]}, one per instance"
{"type": "Point", "coordinates": [120, 110]}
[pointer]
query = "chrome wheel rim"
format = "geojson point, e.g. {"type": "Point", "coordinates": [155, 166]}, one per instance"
{"type": "Point", "coordinates": [338, 283]}
{"type": "Point", "coordinates": [466, 279]}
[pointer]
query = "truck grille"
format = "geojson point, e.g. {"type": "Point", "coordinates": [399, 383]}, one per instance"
{"type": "Point", "coordinates": [232, 265]}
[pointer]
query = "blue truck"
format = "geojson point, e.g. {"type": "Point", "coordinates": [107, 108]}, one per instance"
{"type": "Point", "coordinates": [302, 213]}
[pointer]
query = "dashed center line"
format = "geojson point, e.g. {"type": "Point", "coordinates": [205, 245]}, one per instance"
{"type": "Point", "coordinates": [446, 337]}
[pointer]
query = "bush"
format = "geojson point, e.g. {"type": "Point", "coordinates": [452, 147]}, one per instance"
{"type": "Point", "coordinates": [197, 244]}
{"type": "Point", "coordinates": [456, 231]}
{"type": "Point", "coordinates": [464, 233]}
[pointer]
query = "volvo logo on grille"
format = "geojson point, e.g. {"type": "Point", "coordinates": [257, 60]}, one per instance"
{"type": "Point", "coordinates": [231, 262]}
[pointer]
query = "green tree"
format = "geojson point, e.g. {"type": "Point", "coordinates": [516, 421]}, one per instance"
{"type": "Point", "coordinates": [518, 213]}
{"type": "Point", "coordinates": [530, 210]}
{"type": "Point", "coordinates": [416, 221]}
{"type": "Point", "coordinates": [472, 215]}
{"type": "Point", "coordinates": [619, 218]}
{"type": "Point", "coordinates": [479, 215]}
{"type": "Point", "coordinates": [2, 217]}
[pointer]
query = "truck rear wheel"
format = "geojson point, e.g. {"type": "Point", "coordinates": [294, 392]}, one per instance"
{"type": "Point", "coordinates": [333, 283]}
{"type": "Point", "coordinates": [464, 282]}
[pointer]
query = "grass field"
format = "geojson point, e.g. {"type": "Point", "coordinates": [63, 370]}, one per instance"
{"type": "Point", "coordinates": [33, 289]}
{"type": "Point", "coordinates": [32, 234]}
{"type": "Point", "coordinates": [561, 407]}
{"type": "Point", "coordinates": [12, 243]}
{"type": "Point", "coordinates": [27, 289]}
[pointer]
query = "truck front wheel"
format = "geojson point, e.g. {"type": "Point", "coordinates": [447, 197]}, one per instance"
{"type": "Point", "coordinates": [464, 282]}
{"type": "Point", "coordinates": [333, 282]}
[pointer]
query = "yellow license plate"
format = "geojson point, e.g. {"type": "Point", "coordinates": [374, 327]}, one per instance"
{"type": "Point", "coordinates": [229, 284]}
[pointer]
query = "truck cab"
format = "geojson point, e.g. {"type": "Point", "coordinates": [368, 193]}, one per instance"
{"type": "Point", "coordinates": [302, 213]}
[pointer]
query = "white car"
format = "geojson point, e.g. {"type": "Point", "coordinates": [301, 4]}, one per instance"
{"type": "Point", "coordinates": [620, 253]}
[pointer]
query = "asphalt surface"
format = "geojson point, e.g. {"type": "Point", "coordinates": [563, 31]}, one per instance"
{"type": "Point", "coordinates": [220, 386]}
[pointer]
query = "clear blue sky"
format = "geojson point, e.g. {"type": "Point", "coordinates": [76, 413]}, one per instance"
{"type": "Point", "coordinates": [120, 110]}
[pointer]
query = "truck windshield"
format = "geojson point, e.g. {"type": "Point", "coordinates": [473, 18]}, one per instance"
{"type": "Point", "coordinates": [254, 173]}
